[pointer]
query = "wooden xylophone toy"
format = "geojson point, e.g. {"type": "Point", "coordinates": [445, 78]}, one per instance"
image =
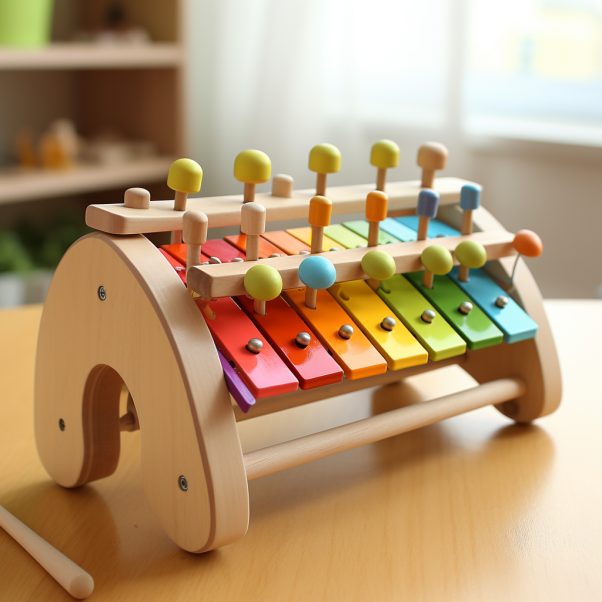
{"type": "Point", "coordinates": [203, 332]}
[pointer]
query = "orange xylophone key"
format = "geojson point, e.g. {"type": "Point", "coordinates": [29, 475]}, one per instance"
{"type": "Point", "coordinates": [265, 248]}
{"type": "Point", "coordinates": [285, 241]}
{"type": "Point", "coordinates": [177, 265]}
{"type": "Point", "coordinates": [178, 251]}
{"type": "Point", "coordinates": [312, 365]}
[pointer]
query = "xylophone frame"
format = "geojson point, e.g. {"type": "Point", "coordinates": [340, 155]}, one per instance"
{"type": "Point", "coordinates": [148, 335]}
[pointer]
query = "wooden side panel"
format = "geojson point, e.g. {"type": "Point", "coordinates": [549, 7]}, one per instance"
{"type": "Point", "coordinates": [439, 338]}
{"type": "Point", "coordinates": [312, 366]}
{"type": "Point", "coordinates": [356, 356]}
{"type": "Point", "coordinates": [285, 241]}
{"type": "Point", "coordinates": [266, 248]}
{"type": "Point", "coordinates": [398, 347]}
{"type": "Point", "coordinates": [263, 373]}
{"type": "Point", "coordinates": [475, 328]}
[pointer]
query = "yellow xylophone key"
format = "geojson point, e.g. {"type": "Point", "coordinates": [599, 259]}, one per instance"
{"type": "Point", "coordinates": [356, 355]}
{"type": "Point", "coordinates": [398, 346]}
{"type": "Point", "coordinates": [304, 234]}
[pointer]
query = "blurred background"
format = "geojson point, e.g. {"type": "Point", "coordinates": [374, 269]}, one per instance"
{"type": "Point", "coordinates": [97, 96]}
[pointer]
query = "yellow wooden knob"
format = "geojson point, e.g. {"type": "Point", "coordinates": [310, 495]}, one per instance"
{"type": "Point", "coordinates": [185, 175]}
{"type": "Point", "coordinates": [263, 282]}
{"type": "Point", "coordinates": [376, 206]}
{"type": "Point", "coordinates": [378, 264]}
{"type": "Point", "coordinates": [432, 155]}
{"type": "Point", "coordinates": [385, 154]}
{"type": "Point", "coordinates": [471, 254]}
{"type": "Point", "coordinates": [325, 158]}
{"type": "Point", "coordinates": [320, 209]}
{"type": "Point", "coordinates": [252, 167]}
{"type": "Point", "coordinates": [437, 259]}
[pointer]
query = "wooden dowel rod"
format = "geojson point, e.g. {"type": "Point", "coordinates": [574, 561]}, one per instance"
{"type": "Point", "coordinates": [176, 237]}
{"type": "Point", "coordinates": [321, 184]}
{"type": "Point", "coordinates": [423, 228]}
{"type": "Point", "coordinates": [463, 273]}
{"type": "Point", "coordinates": [249, 193]}
{"type": "Point", "coordinates": [381, 178]}
{"type": "Point", "coordinates": [311, 297]}
{"type": "Point", "coordinates": [252, 247]}
{"type": "Point", "coordinates": [373, 232]}
{"type": "Point", "coordinates": [317, 239]}
{"type": "Point", "coordinates": [467, 222]}
{"type": "Point", "coordinates": [70, 576]}
{"type": "Point", "coordinates": [272, 459]}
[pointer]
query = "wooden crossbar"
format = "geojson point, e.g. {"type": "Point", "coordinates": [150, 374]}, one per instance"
{"type": "Point", "coordinates": [225, 210]}
{"type": "Point", "coordinates": [226, 280]}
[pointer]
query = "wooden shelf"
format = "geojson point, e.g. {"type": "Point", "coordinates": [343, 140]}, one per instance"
{"type": "Point", "coordinates": [92, 56]}
{"type": "Point", "coordinates": [23, 185]}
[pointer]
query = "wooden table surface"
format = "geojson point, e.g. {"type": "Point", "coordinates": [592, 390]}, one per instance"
{"type": "Point", "coordinates": [474, 508]}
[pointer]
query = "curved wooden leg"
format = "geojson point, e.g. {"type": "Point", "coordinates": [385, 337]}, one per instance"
{"type": "Point", "coordinates": [146, 331]}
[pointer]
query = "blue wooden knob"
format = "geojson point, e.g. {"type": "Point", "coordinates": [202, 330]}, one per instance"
{"type": "Point", "coordinates": [470, 197]}
{"type": "Point", "coordinates": [317, 272]}
{"type": "Point", "coordinates": [428, 203]}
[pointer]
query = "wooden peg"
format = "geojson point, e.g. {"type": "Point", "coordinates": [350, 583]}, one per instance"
{"type": "Point", "coordinates": [436, 260]}
{"type": "Point", "coordinates": [194, 225]}
{"type": "Point", "coordinates": [320, 209]}
{"type": "Point", "coordinates": [324, 159]}
{"type": "Point", "coordinates": [384, 155]}
{"type": "Point", "coordinates": [317, 273]}
{"type": "Point", "coordinates": [263, 283]}
{"type": "Point", "coordinates": [431, 157]}
{"type": "Point", "coordinates": [376, 212]}
{"type": "Point", "coordinates": [470, 199]}
{"type": "Point", "coordinates": [527, 243]}
{"type": "Point", "coordinates": [252, 223]}
{"type": "Point", "coordinates": [428, 203]}
{"type": "Point", "coordinates": [379, 265]}
{"type": "Point", "coordinates": [252, 167]}
{"type": "Point", "coordinates": [470, 254]}
{"type": "Point", "coordinates": [282, 186]}
{"type": "Point", "coordinates": [137, 198]}
{"type": "Point", "coordinates": [185, 177]}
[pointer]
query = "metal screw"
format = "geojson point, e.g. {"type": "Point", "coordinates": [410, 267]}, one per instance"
{"type": "Point", "coordinates": [465, 307]}
{"type": "Point", "coordinates": [428, 315]}
{"type": "Point", "coordinates": [102, 294]}
{"type": "Point", "coordinates": [334, 249]}
{"type": "Point", "coordinates": [62, 424]}
{"type": "Point", "coordinates": [214, 260]}
{"type": "Point", "coordinates": [388, 324]}
{"type": "Point", "coordinates": [501, 301]}
{"type": "Point", "coordinates": [303, 339]}
{"type": "Point", "coordinates": [274, 255]}
{"type": "Point", "coordinates": [254, 345]}
{"type": "Point", "coordinates": [237, 260]}
{"type": "Point", "coordinates": [183, 483]}
{"type": "Point", "coordinates": [303, 252]}
{"type": "Point", "coordinates": [346, 331]}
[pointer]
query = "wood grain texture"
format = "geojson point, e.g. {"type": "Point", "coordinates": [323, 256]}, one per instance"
{"type": "Point", "coordinates": [225, 210]}
{"type": "Point", "coordinates": [87, 348]}
{"type": "Point", "coordinates": [473, 508]}
{"type": "Point", "coordinates": [227, 280]}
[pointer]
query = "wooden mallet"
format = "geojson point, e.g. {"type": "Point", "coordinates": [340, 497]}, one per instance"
{"type": "Point", "coordinates": [428, 204]}
{"type": "Point", "coordinates": [252, 167]}
{"type": "Point", "coordinates": [320, 209]}
{"type": "Point", "coordinates": [431, 157]}
{"type": "Point", "coordinates": [70, 576]}
{"type": "Point", "coordinates": [324, 159]}
{"type": "Point", "coordinates": [384, 155]}
{"type": "Point", "coordinates": [185, 177]}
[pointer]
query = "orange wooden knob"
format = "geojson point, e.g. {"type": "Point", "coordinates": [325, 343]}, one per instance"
{"type": "Point", "coordinates": [320, 209]}
{"type": "Point", "coordinates": [527, 243]}
{"type": "Point", "coordinates": [376, 206]}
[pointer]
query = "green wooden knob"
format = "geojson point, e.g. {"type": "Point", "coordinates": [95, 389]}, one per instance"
{"type": "Point", "coordinates": [471, 254]}
{"type": "Point", "coordinates": [378, 264]}
{"type": "Point", "coordinates": [437, 259]}
{"type": "Point", "coordinates": [185, 175]}
{"type": "Point", "coordinates": [252, 167]}
{"type": "Point", "coordinates": [263, 282]}
{"type": "Point", "coordinates": [325, 158]}
{"type": "Point", "coordinates": [385, 154]}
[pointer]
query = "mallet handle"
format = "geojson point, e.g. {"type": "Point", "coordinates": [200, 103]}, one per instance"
{"type": "Point", "coordinates": [73, 578]}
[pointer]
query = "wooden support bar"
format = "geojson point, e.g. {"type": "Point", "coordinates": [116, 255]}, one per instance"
{"type": "Point", "coordinates": [275, 458]}
{"type": "Point", "coordinates": [225, 210]}
{"type": "Point", "coordinates": [226, 280]}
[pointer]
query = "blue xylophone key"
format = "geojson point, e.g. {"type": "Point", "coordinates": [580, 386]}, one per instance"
{"type": "Point", "coordinates": [436, 227]}
{"type": "Point", "coordinates": [511, 320]}
{"type": "Point", "coordinates": [398, 230]}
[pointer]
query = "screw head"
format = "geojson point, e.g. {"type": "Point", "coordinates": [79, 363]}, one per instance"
{"type": "Point", "coordinates": [274, 255]}
{"type": "Point", "coordinates": [334, 249]}
{"type": "Point", "coordinates": [501, 301]}
{"type": "Point", "coordinates": [346, 331]}
{"type": "Point", "coordinates": [388, 324]}
{"type": "Point", "coordinates": [465, 307]}
{"type": "Point", "coordinates": [214, 260]}
{"type": "Point", "coordinates": [303, 252]}
{"type": "Point", "coordinates": [303, 339]}
{"type": "Point", "coordinates": [183, 483]}
{"type": "Point", "coordinates": [102, 293]}
{"type": "Point", "coordinates": [237, 260]}
{"type": "Point", "coordinates": [62, 424]}
{"type": "Point", "coordinates": [428, 315]}
{"type": "Point", "coordinates": [254, 345]}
